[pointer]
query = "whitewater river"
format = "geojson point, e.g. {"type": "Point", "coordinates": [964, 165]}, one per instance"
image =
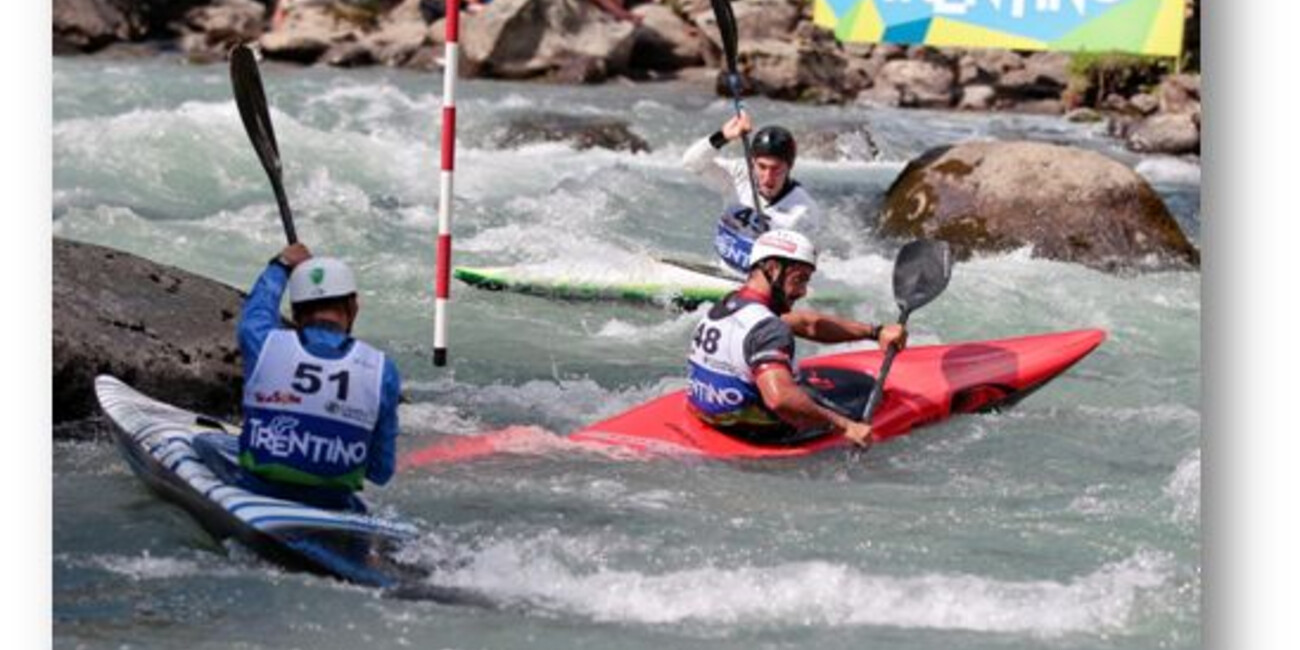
{"type": "Point", "coordinates": [1072, 521]}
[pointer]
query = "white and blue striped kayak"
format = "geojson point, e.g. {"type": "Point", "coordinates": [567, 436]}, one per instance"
{"type": "Point", "coordinates": [156, 440]}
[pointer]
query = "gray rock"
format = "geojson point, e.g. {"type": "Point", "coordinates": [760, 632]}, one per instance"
{"type": "Point", "coordinates": [1171, 133]}
{"type": "Point", "coordinates": [210, 31]}
{"type": "Point", "coordinates": [800, 71]}
{"type": "Point", "coordinates": [1043, 76]}
{"type": "Point", "coordinates": [990, 64]}
{"type": "Point", "coordinates": [88, 25]}
{"type": "Point", "coordinates": [1180, 93]}
{"type": "Point", "coordinates": [1144, 103]}
{"type": "Point", "coordinates": [848, 142]}
{"type": "Point", "coordinates": [400, 38]}
{"type": "Point", "coordinates": [1070, 204]}
{"type": "Point", "coordinates": [1083, 114]}
{"type": "Point", "coordinates": [977, 97]}
{"type": "Point", "coordinates": [309, 32]}
{"type": "Point", "coordinates": [168, 332]}
{"type": "Point", "coordinates": [581, 132]}
{"type": "Point", "coordinates": [756, 20]}
{"type": "Point", "coordinates": [664, 40]}
{"type": "Point", "coordinates": [518, 39]}
{"type": "Point", "coordinates": [912, 83]}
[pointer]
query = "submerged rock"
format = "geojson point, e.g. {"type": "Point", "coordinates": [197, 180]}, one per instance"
{"type": "Point", "coordinates": [168, 332]}
{"type": "Point", "coordinates": [582, 132]}
{"type": "Point", "coordinates": [1069, 204]}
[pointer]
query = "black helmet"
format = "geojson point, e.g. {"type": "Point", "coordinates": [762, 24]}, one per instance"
{"type": "Point", "coordinates": [774, 141]}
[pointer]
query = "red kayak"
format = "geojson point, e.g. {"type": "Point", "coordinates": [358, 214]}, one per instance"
{"type": "Point", "coordinates": [926, 384]}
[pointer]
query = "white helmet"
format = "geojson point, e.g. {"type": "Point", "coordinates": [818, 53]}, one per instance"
{"type": "Point", "coordinates": [319, 278]}
{"type": "Point", "coordinates": [785, 245]}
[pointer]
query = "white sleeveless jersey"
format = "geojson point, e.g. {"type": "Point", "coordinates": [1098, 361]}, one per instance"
{"type": "Point", "coordinates": [308, 419]}
{"type": "Point", "coordinates": [722, 386]}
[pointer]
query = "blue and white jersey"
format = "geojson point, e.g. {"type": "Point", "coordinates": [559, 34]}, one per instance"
{"type": "Point", "coordinates": [736, 337]}
{"type": "Point", "coordinates": [308, 420]}
{"type": "Point", "coordinates": [738, 227]}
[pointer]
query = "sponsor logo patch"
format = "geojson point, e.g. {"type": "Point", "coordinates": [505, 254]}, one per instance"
{"type": "Point", "coordinates": [276, 397]}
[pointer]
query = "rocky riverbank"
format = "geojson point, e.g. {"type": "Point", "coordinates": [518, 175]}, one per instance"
{"type": "Point", "coordinates": [782, 54]}
{"type": "Point", "coordinates": [165, 331]}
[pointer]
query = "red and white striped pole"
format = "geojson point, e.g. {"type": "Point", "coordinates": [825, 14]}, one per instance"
{"type": "Point", "coordinates": [442, 295]}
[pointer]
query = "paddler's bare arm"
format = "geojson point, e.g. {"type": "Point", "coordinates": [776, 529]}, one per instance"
{"type": "Point", "coordinates": [825, 328]}
{"type": "Point", "coordinates": [790, 403]}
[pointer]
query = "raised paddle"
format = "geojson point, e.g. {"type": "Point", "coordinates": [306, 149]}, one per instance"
{"type": "Point", "coordinates": [921, 273]}
{"type": "Point", "coordinates": [727, 28]}
{"type": "Point", "coordinates": [251, 100]}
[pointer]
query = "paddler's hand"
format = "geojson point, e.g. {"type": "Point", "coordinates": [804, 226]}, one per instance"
{"type": "Point", "coordinates": [859, 433]}
{"type": "Point", "coordinates": [294, 254]}
{"type": "Point", "coordinates": [895, 335]}
{"type": "Point", "coordinates": [737, 126]}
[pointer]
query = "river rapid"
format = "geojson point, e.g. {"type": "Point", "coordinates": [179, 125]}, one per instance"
{"type": "Point", "coordinates": [1071, 521]}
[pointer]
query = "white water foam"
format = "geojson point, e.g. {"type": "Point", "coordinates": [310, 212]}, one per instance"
{"type": "Point", "coordinates": [815, 593]}
{"type": "Point", "coordinates": [565, 400]}
{"type": "Point", "coordinates": [1184, 489]}
{"type": "Point", "coordinates": [1168, 169]}
{"type": "Point", "coordinates": [148, 567]}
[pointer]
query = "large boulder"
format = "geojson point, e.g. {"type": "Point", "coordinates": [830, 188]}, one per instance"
{"type": "Point", "coordinates": [1171, 133]}
{"type": "Point", "coordinates": [756, 20]}
{"type": "Point", "coordinates": [88, 25]}
{"type": "Point", "coordinates": [917, 83]}
{"type": "Point", "coordinates": [403, 38]}
{"type": "Point", "coordinates": [565, 39]}
{"type": "Point", "coordinates": [1067, 203]}
{"type": "Point", "coordinates": [1043, 75]}
{"type": "Point", "coordinates": [664, 40]}
{"type": "Point", "coordinates": [208, 32]}
{"type": "Point", "coordinates": [844, 142]}
{"type": "Point", "coordinates": [309, 31]}
{"type": "Point", "coordinates": [1180, 93]}
{"type": "Point", "coordinates": [165, 331]}
{"type": "Point", "coordinates": [800, 70]}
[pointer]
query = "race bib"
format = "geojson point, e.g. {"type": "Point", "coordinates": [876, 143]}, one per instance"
{"type": "Point", "coordinates": [738, 227]}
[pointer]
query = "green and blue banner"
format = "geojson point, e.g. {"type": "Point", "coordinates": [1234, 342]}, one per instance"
{"type": "Point", "coordinates": [1153, 27]}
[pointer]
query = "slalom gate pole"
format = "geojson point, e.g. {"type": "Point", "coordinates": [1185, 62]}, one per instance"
{"type": "Point", "coordinates": [442, 295]}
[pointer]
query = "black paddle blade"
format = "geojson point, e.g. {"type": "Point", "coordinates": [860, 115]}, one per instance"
{"type": "Point", "coordinates": [727, 28]}
{"type": "Point", "coordinates": [921, 272]}
{"type": "Point", "coordinates": [250, 98]}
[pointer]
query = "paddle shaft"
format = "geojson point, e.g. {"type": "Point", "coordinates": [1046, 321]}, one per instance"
{"type": "Point", "coordinates": [253, 111]}
{"type": "Point", "coordinates": [733, 81]}
{"type": "Point", "coordinates": [286, 216]}
{"type": "Point", "coordinates": [727, 30]}
{"type": "Point", "coordinates": [878, 391]}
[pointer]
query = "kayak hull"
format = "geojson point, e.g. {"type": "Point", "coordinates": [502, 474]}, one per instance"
{"type": "Point", "coordinates": [679, 284]}
{"type": "Point", "coordinates": [926, 384]}
{"type": "Point", "coordinates": [156, 440]}
{"type": "Point", "coordinates": [685, 296]}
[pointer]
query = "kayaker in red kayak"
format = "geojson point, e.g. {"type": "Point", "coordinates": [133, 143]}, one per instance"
{"type": "Point", "coordinates": [742, 372]}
